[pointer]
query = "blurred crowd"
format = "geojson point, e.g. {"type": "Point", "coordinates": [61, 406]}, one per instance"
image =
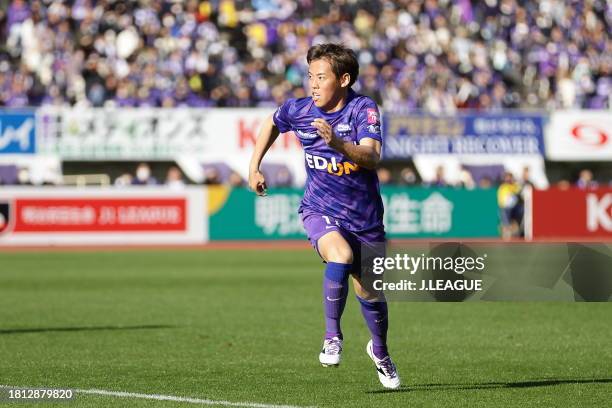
{"type": "Point", "coordinates": [437, 55]}
{"type": "Point", "coordinates": [143, 176]}
{"type": "Point", "coordinates": [407, 176]}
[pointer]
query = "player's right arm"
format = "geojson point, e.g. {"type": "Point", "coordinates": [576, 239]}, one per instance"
{"type": "Point", "coordinates": [267, 135]}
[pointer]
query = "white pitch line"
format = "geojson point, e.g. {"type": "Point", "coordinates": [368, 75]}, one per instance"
{"type": "Point", "coordinates": [159, 397]}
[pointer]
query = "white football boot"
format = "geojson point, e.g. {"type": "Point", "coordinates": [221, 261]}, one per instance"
{"type": "Point", "coordinates": [387, 373]}
{"type": "Point", "coordinates": [330, 353]}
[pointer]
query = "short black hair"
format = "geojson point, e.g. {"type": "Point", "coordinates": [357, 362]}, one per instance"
{"type": "Point", "coordinates": [342, 60]}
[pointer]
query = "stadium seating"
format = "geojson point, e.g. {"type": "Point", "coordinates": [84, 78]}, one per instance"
{"type": "Point", "coordinates": [436, 55]}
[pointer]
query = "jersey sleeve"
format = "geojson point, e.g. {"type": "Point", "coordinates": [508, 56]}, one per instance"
{"type": "Point", "coordinates": [368, 122]}
{"type": "Point", "coordinates": [281, 117]}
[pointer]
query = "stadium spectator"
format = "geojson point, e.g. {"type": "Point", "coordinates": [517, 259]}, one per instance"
{"type": "Point", "coordinates": [174, 178]}
{"type": "Point", "coordinates": [143, 176]}
{"type": "Point", "coordinates": [466, 180]}
{"type": "Point", "coordinates": [509, 203]}
{"type": "Point", "coordinates": [438, 55]}
{"type": "Point", "coordinates": [485, 182]}
{"type": "Point", "coordinates": [236, 180]}
{"type": "Point", "coordinates": [525, 185]}
{"type": "Point", "coordinates": [439, 179]}
{"type": "Point", "coordinates": [563, 185]}
{"type": "Point", "coordinates": [212, 176]}
{"type": "Point", "coordinates": [408, 177]}
{"type": "Point", "coordinates": [526, 178]}
{"type": "Point", "coordinates": [384, 176]}
{"type": "Point", "coordinates": [585, 180]}
{"type": "Point", "coordinates": [123, 180]}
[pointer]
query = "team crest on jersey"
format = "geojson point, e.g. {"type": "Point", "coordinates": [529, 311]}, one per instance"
{"type": "Point", "coordinates": [372, 115]}
{"type": "Point", "coordinates": [5, 217]}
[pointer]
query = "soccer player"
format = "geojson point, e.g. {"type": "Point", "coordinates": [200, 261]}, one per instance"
{"type": "Point", "coordinates": [341, 208]}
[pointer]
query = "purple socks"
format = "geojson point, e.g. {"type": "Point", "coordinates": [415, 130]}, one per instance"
{"type": "Point", "coordinates": [335, 291]}
{"type": "Point", "coordinates": [375, 314]}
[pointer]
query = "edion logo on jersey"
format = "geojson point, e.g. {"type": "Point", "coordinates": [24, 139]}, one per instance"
{"type": "Point", "coordinates": [331, 166]}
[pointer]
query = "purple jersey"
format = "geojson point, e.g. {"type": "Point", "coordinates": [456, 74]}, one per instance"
{"type": "Point", "coordinates": [336, 186]}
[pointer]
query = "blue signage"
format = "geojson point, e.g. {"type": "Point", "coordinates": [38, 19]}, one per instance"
{"type": "Point", "coordinates": [17, 133]}
{"type": "Point", "coordinates": [406, 135]}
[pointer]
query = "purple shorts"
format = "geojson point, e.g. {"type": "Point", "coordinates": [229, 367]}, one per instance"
{"type": "Point", "coordinates": [317, 225]}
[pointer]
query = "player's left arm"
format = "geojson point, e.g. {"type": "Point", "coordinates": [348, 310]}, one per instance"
{"type": "Point", "coordinates": [366, 154]}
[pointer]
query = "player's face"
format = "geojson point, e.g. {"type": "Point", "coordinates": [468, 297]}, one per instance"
{"type": "Point", "coordinates": [325, 88]}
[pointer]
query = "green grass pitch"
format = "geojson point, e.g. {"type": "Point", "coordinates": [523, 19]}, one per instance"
{"type": "Point", "coordinates": [246, 326]}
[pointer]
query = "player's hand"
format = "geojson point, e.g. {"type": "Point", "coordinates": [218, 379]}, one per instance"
{"type": "Point", "coordinates": [257, 183]}
{"type": "Point", "coordinates": [325, 130]}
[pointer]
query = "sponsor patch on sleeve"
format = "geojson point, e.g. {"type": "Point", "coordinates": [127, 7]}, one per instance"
{"type": "Point", "coordinates": [372, 115]}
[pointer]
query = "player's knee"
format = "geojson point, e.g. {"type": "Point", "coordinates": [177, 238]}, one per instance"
{"type": "Point", "coordinates": [334, 248]}
{"type": "Point", "coordinates": [340, 254]}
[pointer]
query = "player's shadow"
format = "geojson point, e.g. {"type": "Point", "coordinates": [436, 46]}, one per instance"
{"type": "Point", "coordinates": [494, 385]}
{"type": "Point", "coordinates": [78, 329]}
